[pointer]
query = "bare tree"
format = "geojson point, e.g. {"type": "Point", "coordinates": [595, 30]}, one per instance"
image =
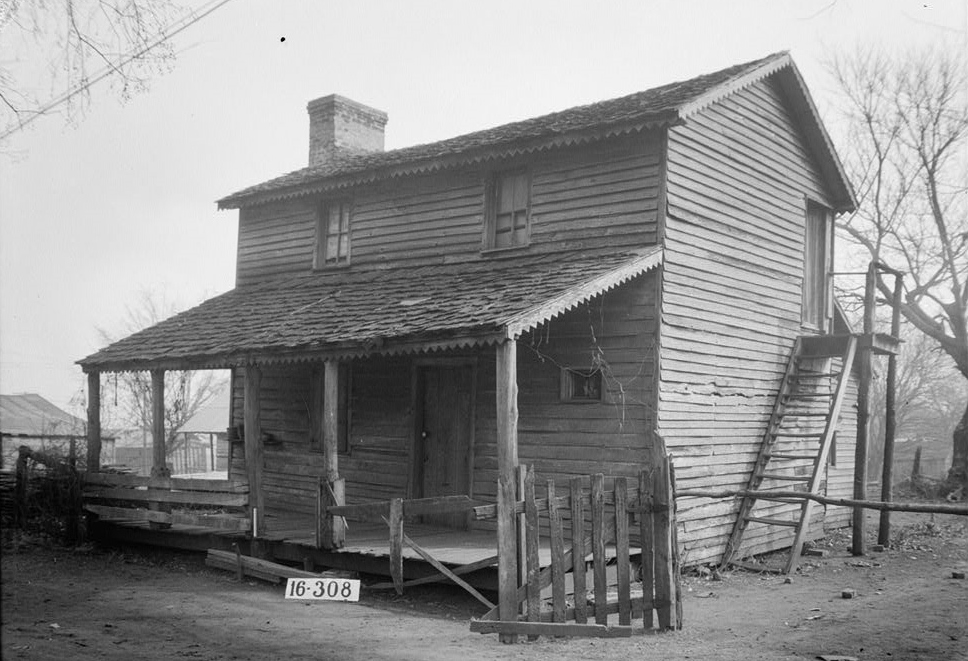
{"type": "Point", "coordinates": [905, 152]}
{"type": "Point", "coordinates": [930, 395]}
{"type": "Point", "coordinates": [186, 391]}
{"type": "Point", "coordinates": [55, 51]}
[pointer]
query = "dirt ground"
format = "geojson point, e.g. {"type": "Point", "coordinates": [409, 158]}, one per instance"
{"type": "Point", "coordinates": [135, 604]}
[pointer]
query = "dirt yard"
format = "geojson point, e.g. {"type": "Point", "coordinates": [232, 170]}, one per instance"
{"type": "Point", "coordinates": [124, 604]}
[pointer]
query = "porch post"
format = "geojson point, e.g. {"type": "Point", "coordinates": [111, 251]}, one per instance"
{"type": "Point", "coordinates": [252, 430]}
{"type": "Point", "coordinates": [93, 422]}
{"type": "Point", "coordinates": [333, 528]}
{"type": "Point", "coordinates": [507, 462]}
{"type": "Point", "coordinates": [159, 467]}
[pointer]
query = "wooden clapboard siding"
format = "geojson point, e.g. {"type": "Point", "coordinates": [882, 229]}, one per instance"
{"type": "Point", "coordinates": [594, 195]}
{"type": "Point", "coordinates": [567, 439]}
{"type": "Point", "coordinates": [739, 175]}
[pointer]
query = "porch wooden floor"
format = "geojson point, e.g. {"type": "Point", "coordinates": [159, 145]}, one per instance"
{"type": "Point", "coordinates": [291, 537]}
{"type": "Point", "coordinates": [450, 546]}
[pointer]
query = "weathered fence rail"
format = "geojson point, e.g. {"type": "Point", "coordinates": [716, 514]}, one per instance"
{"type": "Point", "coordinates": [166, 501]}
{"type": "Point", "coordinates": [646, 504]}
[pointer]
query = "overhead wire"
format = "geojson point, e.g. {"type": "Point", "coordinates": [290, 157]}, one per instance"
{"type": "Point", "coordinates": [111, 68]}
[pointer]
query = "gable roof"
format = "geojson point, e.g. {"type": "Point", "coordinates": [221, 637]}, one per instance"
{"type": "Point", "coordinates": [387, 311]}
{"type": "Point", "coordinates": [32, 415]}
{"type": "Point", "coordinates": [658, 107]}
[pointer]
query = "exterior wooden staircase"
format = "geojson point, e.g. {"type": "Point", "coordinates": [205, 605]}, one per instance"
{"type": "Point", "coordinates": [798, 437]}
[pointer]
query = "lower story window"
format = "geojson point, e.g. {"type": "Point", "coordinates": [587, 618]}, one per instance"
{"type": "Point", "coordinates": [581, 385]}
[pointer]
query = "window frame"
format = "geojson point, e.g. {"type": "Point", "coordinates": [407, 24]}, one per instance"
{"type": "Point", "coordinates": [321, 258]}
{"type": "Point", "coordinates": [816, 304]}
{"type": "Point", "coordinates": [493, 188]}
{"type": "Point", "coordinates": [568, 385]}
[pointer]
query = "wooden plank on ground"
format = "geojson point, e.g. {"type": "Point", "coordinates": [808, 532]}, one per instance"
{"type": "Point", "coordinates": [447, 572]}
{"type": "Point", "coordinates": [550, 629]}
{"type": "Point", "coordinates": [578, 551]}
{"type": "Point", "coordinates": [557, 542]}
{"type": "Point", "coordinates": [622, 552]}
{"type": "Point", "coordinates": [489, 561]}
{"type": "Point", "coordinates": [264, 569]}
{"type": "Point", "coordinates": [598, 547]}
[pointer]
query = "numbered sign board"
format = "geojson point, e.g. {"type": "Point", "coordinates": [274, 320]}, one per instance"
{"type": "Point", "coordinates": [328, 589]}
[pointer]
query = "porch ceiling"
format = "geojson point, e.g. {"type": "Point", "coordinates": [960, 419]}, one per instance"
{"type": "Point", "coordinates": [379, 311]}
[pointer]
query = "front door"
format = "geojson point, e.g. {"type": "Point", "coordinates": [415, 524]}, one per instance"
{"type": "Point", "coordinates": [444, 428]}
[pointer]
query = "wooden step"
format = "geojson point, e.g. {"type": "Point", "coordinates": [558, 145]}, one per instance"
{"type": "Point", "coordinates": [779, 434]}
{"type": "Point", "coordinates": [823, 346]}
{"type": "Point", "coordinates": [789, 478]}
{"type": "Point", "coordinates": [771, 522]}
{"type": "Point", "coordinates": [780, 455]}
{"type": "Point", "coordinates": [816, 375]}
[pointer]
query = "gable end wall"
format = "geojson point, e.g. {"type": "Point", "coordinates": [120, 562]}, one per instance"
{"type": "Point", "coordinates": [739, 176]}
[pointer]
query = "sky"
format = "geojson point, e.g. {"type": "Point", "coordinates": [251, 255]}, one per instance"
{"type": "Point", "coordinates": [121, 202]}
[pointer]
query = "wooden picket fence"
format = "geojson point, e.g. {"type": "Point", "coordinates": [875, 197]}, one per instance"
{"type": "Point", "coordinates": [597, 519]}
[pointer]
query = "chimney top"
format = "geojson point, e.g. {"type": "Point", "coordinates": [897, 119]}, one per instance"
{"type": "Point", "coordinates": [340, 126]}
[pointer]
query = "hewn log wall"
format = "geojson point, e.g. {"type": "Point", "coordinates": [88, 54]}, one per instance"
{"type": "Point", "coordinates": [739, 176]}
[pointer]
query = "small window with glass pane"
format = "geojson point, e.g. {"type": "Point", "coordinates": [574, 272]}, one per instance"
{"type": "Point", "coordinates": [508, 211]}
{"type": "Point", "coordinates": [332, 235]}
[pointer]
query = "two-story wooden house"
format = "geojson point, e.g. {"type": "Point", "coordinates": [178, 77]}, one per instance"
{"type": "Point", "coordinates": [556, 291]}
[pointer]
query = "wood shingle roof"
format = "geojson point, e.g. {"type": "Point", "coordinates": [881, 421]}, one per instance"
{"type": "Point", "coordinates": [352, 313]}
{"type": "Point", "coordinates": [659, 106]}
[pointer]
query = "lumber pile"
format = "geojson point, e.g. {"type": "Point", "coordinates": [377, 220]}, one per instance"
{"type": "Point", "coordinates": [264, 570]}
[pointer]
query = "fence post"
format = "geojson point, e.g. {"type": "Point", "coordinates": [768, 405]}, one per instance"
{"type": "Point", "coordinates": [531, 543]}
{"type": "Point", "coordinates": [507, 565]}
{"type": "Point", "coordinates": [647, 543]}
{"type": "Point", "coordinates": [557, 555]}
{"type": "Point", "coordinates": [663, 546]}
{"type": "Point", "coordinates": [20, 487]}
{"type": "Point", "coordinates": [578, 550]}
{"type": "Point", "coordinates": [396, 543]}
{"type": "Point", "coordinates": [598, 548]}
{"type": "Point", "coordinates": [622, 551]}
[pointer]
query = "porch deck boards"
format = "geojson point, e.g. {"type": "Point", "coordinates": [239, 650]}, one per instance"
{"type": "Point", "coordinates": [448, 545]}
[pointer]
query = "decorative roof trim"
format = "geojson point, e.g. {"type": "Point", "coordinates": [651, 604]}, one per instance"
{"type": "Point", "coordinates": [768, 68]}
{"type": "Point", "coordinates": [849, 198]}
{"type": "Point", "coordinates": [804, 108]}
{"type": "Point", "coordinates": [426, 165]}
{"type": "Point", "coordinates": [582, 293]}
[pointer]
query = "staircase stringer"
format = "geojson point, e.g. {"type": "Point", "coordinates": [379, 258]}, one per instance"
{"type": "Point", "coordinates": [763, 457]}
{"type": "Point", "coordinates": [820, 462]}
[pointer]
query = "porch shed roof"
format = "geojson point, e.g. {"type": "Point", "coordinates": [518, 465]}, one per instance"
{"type": "Point", "coordinates": [353, 313]}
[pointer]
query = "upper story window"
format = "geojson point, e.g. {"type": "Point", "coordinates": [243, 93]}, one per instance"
{"type": "Point", "coordinates": [508, 210]}
{"type": "Point", "coordinates": [816, 267]}
{"type": "Point", "coordinates": [332, 235]}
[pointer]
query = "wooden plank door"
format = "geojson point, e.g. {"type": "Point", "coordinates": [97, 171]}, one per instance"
{"type": "Point", "coordinates": [444, 429]}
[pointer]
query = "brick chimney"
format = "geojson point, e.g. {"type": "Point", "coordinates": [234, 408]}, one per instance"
{"type": "Point", "coordinates": [341, 126]}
